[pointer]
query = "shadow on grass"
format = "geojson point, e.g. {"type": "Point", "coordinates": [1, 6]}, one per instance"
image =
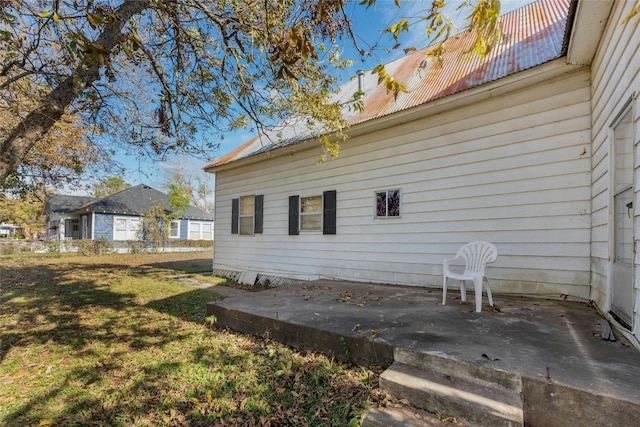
{"type": "Point", "coordinates": [194, 265]}
{"type": "Point", "coordinates": [44, 302]}
{"type": "Point", "coordinates": [52, 312]}
{"type": "Point", "coordinates": [108, 344]}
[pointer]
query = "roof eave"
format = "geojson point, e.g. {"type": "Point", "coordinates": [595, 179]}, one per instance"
{"type": "Point", "coordinates": [531, 77]}
{"type": "Point", "coordinates": [588, 26]}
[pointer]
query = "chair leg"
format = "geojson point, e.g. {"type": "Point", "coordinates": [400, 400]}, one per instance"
{"type": "Point", "coordinates": [489, 293]}
{"type": "Point", "coordinates": [463, 290]}
{"type": "Point", "coordinates": [444, 290]}
{"type": "Point", "coordinates": [477, 284]}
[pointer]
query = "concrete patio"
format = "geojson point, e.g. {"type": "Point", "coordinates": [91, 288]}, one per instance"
{"type": "Point", "coordinates": [531, 361]}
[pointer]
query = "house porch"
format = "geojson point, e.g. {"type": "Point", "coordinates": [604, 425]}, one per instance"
{"type": "Point", "coordinates": [548, 355]}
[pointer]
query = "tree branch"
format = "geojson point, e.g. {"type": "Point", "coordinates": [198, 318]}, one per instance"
{"type": "Point", "coordinates": [25, 135]}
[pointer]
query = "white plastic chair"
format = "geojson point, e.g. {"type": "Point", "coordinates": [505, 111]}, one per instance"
{"type": "Point", "coordinates": [476, 256]}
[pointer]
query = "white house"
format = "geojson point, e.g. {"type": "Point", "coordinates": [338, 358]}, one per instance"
{"type": "Point", "coordinates": [8, 230]}
{"type": "Point", "coordinates": [532, 147]}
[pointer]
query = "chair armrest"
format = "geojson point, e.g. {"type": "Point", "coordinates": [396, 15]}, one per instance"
{"type": "Point", "coordinates": [445, 265]}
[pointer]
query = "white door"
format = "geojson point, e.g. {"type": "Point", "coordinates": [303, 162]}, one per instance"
{"type": "Point", "coordinates": [622, 298]}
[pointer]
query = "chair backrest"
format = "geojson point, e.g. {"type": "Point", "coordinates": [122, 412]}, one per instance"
{"type": "Point", "coordinates": [476, 255]}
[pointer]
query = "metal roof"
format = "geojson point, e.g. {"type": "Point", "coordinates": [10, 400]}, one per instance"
{"type": "Point", "coordinates": [531, 35]}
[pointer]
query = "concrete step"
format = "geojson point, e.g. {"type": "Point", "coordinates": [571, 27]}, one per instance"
{"type": "Point", "coordinates": [446, 365]}
{"type": "Point", "coordinates": [471, 401]}
{"type": "Point", "coordinates": [405, 416]}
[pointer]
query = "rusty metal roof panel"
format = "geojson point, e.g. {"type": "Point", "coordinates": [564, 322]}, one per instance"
{"type": "Point", "coordinates": [531, 36]}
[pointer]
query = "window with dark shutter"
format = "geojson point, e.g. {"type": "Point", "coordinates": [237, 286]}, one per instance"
{"type": "Point", "coordinates": [259, 207]}
{"type": "Point", "coordinates": [247, 215]}
{"type": "Point", "coordinates": [329, 212]}
{"type": "Point", "coordinates": [235, 214]}
{"type": "Point", "coordinates": [294, 209]}
{"type": "Point", "coordinates": [311, 214]}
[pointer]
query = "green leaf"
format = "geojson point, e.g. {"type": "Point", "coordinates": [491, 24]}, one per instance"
{"type": "Point", "coordinates": [95, 19]}
{"type": "Point", "coordinates": [395, 29]}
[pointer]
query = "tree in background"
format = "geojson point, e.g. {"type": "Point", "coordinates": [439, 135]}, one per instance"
{"type": "Point", "coordinates": [198, 187]}
{"type": "Point", "coordinates": [156, 222]}
{"type": "Point", "coordinates": [174, 75]}
{"type": "Point", "coordinates": [179, 198]}
{"type": "Point", "coordinates": [154, 228]}
{"type": "Point", "coordinates": [26, 213]}
{"type": "Point", "coordinates": [109, 186]}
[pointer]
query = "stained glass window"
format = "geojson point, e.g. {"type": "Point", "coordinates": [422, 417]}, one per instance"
{"type": "Point", "coordinates": [387, 203]}
{"type": "Point", "coordinates": [381, 203]}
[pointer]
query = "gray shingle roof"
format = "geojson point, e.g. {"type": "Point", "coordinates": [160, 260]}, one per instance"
{"type": "Point", "coordinates": [65, 203]}
{"type": "Point", "coordinates": [134, 201]}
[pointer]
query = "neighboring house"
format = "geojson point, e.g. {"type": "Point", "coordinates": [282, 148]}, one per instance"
{"type": "Point", "coordinates": [8, 230]}
{"type": "Point", "coordinates": [62, 221]}
{"type": "Point", "coordinates": [119, 216]}
{"type": "Point", "coordinates": [532, 147]}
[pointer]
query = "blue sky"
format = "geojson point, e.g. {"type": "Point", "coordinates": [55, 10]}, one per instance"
{"type": "Point", "coordinates": [368, 24]}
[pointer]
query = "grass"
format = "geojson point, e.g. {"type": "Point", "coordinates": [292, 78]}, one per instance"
{"type": "Point", "coordinates": [114, 340]}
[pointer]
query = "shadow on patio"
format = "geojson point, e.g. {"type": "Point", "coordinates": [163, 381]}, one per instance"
{"type": "Point", "coordinates": [563, 371]}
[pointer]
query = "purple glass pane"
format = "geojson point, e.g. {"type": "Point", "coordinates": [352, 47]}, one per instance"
{"type": "Point", "coordinates": [394, 203]}
{"type": "Point", "coordinates": [381, 204]}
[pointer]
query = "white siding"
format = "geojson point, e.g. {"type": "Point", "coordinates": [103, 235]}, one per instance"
{"type": "Point", "coordinates": [615, 78]}
{"type": "Point", "coordinates": [514, 170]}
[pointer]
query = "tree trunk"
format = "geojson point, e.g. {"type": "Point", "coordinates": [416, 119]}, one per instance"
{"type": "Point", "coordinates": [25, 135]}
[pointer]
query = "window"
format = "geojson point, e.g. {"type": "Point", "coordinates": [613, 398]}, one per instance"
{"type": "Point", "coordinates": [125, 228]}
{"type": "Point", "coordinates": [174, 229]}
{"type": "Point", "coordinates": [207, 231]}
{"type": "Point", "coordinates": [194, 231]}
{"type": "Point", "coordinates": [247, 211]}
{"type": "Point", "coordinates": [311, 213]}
{"type": "Point", "coordinates": [200, 230]}
{"type": "Point", "coordinates": [246, 215]}
{"type": "Point", "coordinates": [387, 203]}
{"type": "Point", "coordinates": [315, 213]}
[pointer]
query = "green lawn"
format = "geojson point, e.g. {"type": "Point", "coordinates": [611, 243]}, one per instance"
{"type": "Point", "coordinates": [112, 340]}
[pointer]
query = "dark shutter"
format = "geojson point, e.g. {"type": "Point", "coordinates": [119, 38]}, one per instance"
{"type": "Point", "coordinates": [259, 202]}
{"type": "Point", "coordinates": [294, 212]}
{"type": "Point", "coordinates": [329, 212]}
{"type": "Point", "coordinates": [235, 214]}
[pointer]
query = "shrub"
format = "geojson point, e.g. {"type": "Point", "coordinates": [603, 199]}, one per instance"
{"type": "Point", "coordinates": [94, 247]}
